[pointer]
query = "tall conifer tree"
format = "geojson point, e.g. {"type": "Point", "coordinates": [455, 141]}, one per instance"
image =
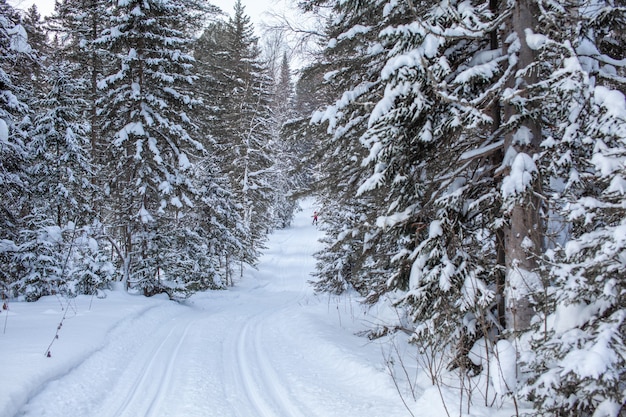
{"type": "Point", "coordinates": [75, 28]}
{"type": "Point", "coordinates": [455, 116]}
{"type": "Point", "coordinates": [583, 315]}
{"type": "Point", "coordinates": [239, 89]}
{"type": "Point", "coordinates": [13, 150]}
{"type": "Point", "coordinates": [152, 149]}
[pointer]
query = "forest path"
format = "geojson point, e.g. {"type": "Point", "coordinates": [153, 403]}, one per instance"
{"type": "Point", "coordinates": [267, 348]}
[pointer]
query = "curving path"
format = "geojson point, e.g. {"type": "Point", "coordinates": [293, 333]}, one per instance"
{"type": "Point", "coordinates": [267, 348]}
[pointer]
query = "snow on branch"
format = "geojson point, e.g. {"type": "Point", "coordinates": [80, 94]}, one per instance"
{"type": "Point", "coordinates": [482, 151]}
{"type": "Point", "coordinates": [520, 177]}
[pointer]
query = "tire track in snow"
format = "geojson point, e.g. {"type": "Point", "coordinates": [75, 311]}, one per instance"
{"type": "Point", "coordinates": [165, 387]}
{"type": "Point", "coordinates": [253, 391]}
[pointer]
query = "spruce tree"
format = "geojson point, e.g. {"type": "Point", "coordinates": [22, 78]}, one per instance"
{"type": "Point", "coordinates": [13, 152]}
{"type": "Point", "coordinates": [61, 170]}
{"type": "Point", "coordinates": [152, 150]}
{"type": "Point", "coordinates": [61, 147]}
{"type": "Point", "coordinates": [456, 113]}
{"type": "Point", "coordinates": [251, 122]}
{"type": "Point", "coordinates": [75, 29]}
{"type": "Point", "coordinates": [350, 80]}
{"type": "Point", "coordinates": [576, 364]}
{"type": "Point", "coordinates": [284, 95]}
{"type": "Point", "coordinates": [58, 249]}
{"type": "Point", "coordinates": [287, 176]}
{"type": "Point", "coordinates": [221, 216]}
{"type": "Point", "coordinates": [240, 92]}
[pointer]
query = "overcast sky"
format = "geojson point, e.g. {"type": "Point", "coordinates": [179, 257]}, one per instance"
{"type": "Point", "coordinates": [260, 11]}
{"type": "Point", "coordinates": [256, 9]}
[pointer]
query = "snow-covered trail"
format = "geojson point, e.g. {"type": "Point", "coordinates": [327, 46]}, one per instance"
{"type": "Point", "coordinates": [269, 348]}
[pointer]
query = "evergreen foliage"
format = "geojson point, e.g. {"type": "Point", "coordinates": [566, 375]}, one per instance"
{"type": "Point", "coordinates": [75, 28]}
{"type": "Point", "coordinates": [111, 152]}
{"type": "Point", "coordinates": [242, 124]}
{"type": "Point", "coordinates": [153, 149]}
{"type": "Point", "coordinates": [286, 171]}
{"type": "Point", "coordinates": [351, 70]}
{"type": "Point", "coordinates": [60, 148]}
{"type": "Point", "coordinates": [455, 129]}
{"type": "Point", "coordinates": [14, 156]}
{"type": "Point", "coordinates": [578, 346]}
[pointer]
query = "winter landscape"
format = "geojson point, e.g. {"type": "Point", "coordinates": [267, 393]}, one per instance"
{"type": "Point", "coordinates": [364, 208]}
{"type": "Point", "coordinates": [268, 347]}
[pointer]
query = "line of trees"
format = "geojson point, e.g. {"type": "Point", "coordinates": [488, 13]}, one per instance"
{"type": "Point", "coordinates": [139, 143]}
{"type": "Point", "coordinates": [472, 173]}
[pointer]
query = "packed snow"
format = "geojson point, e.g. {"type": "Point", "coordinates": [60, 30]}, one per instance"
{"type": "Point", "coordinates": [267, 347]}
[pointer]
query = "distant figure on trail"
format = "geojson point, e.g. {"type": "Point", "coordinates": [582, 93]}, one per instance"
{"type": "Point", "coordinates": [315, 214]}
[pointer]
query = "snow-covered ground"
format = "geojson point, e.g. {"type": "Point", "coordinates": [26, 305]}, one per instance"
{"type": "Point", "coordinates": [267, 347]}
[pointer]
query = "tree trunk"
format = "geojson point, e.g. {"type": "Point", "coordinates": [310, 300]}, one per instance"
{"type": "Point", "coordinates": [497, 159]}
{"type": "Point", "coordinates": [523, 233]}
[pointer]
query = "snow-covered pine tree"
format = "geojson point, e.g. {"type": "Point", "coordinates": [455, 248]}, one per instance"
{"type": "Point", "coordinates": [284, 94]}
{"type": "Point", "coordinates": [32, 22]}
{"type": "Point", "coordinates": [241, 106]}
{"type": "Point", "coordinates": [152, 149]}
{"type": "Point", "coordinates": [74, 28]}
{"type": "Point", "coordinates": [219, 224]}
{"type": "Point", "coordinates": [576, 365]}
{"type": "Point", "coordinates": [61, 169]}
{"type": "Point", "coordinates": [91, 270]}
{"type": "Point", "coordinates": [429, 142]}
{"type": "Point", "coordinates": [351, 63]}
{"type": "Point", "coordinates": [67, 124]}
{"type": "Point", "coordinates": [42, 249]}
{"type": "Point", "coordinates": [287, 176]}
{"type": "Point", "coordinates": [423, 216]}
{"type": "Point", "coordinates": [251, 117]}
{"type": "Point", "coordinates": [302, 137]}
{"type": "Point", "coordinates": [14, 156]}
{"type": "Point", "coordinates": [221, 217]}
{"type": "Point", "coordinates": [11, 109]}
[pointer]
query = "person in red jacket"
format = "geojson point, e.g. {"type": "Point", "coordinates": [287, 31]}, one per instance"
{"type": "Point", "coordinates": [315, 214]}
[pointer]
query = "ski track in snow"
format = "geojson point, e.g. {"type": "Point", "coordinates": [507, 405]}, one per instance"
{"type": "Point", "coordinates": [146, 393]}
{"type": "Point", "coordinates": [267, 348]}
{"type": "Point", "coordinates": [263, 387]}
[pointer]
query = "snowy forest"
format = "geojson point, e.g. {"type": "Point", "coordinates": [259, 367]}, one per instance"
{"type": "Point", "coordinates": [468, 158]}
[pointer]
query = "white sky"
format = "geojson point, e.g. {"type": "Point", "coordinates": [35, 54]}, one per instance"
{"type": "Point", "coordinates": [260, 11]}
{"type": "Point", "coordinates": [256, 9]}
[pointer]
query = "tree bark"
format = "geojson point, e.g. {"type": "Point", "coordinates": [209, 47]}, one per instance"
{"type": "Point", "coordinates": [523, 233]}
{"type": "Point", "coordinates": [497, 159]}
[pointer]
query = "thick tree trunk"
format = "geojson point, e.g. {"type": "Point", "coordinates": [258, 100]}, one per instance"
{"type": "Point", "coordinates": [523, 234]}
